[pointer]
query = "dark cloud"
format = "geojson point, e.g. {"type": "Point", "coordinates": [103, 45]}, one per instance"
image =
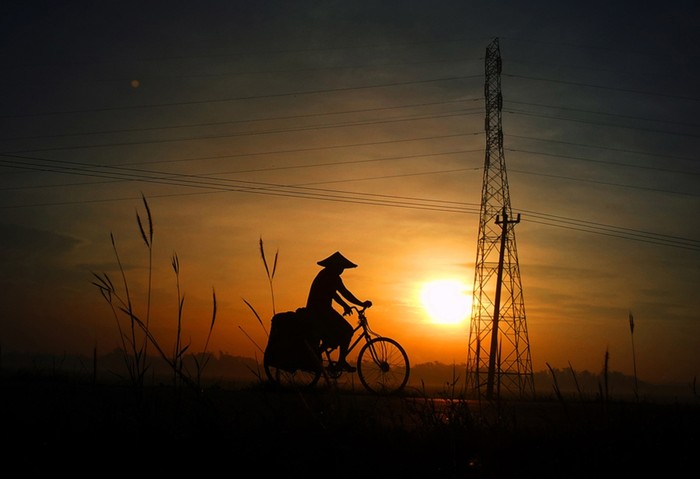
{"type": "Point", "coordinates": [31, 253]}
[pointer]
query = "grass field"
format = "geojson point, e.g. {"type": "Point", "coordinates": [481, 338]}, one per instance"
{"type": "Point", "coordinates": [67, 424]}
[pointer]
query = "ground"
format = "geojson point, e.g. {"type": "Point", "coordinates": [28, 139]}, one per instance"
{"type": "Point", "coordinates": [59, 424]}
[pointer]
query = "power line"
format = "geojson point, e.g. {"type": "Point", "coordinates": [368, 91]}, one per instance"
{"type": "Point", "coordinates": [606, 183]}
{"type": "Point", "coordinates": [235, 122]}
{"type": "Point", "coordinates": [248, 133]}
{"type": "Point", "coordinates": [603, 113]}
{"type": "Point", "coordinates": [255, 53]}
{"type": "Point", "coordinates": [601, 147]}
{"type": "Point", "coordinates": [616, 230]}
{"type": "Point", "coordinates": [242, 98]}
{"type": "Point", "coordinates": [20, 165]}
{"type": "Point", "coordinates": [143, 78]}
{"type": "Point", "coordinates": [598, 123]}
{"type": "Point", "coordinates": [274, 189]}
{"type": "Point", "coordinates": [590, 85]}
{"type": "Point", "coordinates": [305, 192]}
{"type": "Point", "coordinates": [607, 162]}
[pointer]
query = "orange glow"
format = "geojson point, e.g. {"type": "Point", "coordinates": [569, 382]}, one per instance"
{"type": "Point", "coordinates": [446, 300]}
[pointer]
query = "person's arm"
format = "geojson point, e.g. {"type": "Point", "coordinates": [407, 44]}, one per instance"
{"type": "Point", "coordinates": [346, 307]}
{"type": "Point", "coordinates": [345, 292]}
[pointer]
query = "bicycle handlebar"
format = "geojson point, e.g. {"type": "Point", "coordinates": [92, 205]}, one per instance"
{"type": "Point", "coordinates": [361, 309]}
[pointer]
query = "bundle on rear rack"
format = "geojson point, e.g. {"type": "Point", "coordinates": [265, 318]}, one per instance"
{"type": "Point", "coordinates": [293, 343]}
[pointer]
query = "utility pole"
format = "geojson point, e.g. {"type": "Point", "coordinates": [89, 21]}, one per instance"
{"type": "Point", "coordinates": [499, 348]}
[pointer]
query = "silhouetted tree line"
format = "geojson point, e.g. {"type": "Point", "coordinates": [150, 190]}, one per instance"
{"type": "Point", "coordinates": [225, 369]}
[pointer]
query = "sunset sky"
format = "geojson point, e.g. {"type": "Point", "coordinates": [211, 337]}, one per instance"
{"type": "Point", "coordinates": [355, 127]}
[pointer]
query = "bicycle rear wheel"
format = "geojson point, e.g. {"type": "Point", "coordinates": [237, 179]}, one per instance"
{"type": "Point", "coordinates": [383, 366]}
{"type": "Point", "coordinates": [298, 378]}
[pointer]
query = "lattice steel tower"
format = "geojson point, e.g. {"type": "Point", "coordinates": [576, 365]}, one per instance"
{"type": "Point", "coordinates": [498, 359]}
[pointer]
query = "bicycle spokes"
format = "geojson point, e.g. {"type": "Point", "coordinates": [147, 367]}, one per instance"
{"type": "Point", "coordinates": [383, 366]}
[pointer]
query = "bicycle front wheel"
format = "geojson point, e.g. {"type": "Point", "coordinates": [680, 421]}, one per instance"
{"type": "Point", "coordinates": [382, 366]}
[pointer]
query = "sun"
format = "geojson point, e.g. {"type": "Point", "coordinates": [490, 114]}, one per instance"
{"type": "Point", "coordinates": [447, 301]}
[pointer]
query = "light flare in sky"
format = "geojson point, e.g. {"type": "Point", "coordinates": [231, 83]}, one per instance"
{"type": "Point", "coordinates": [446, 300]}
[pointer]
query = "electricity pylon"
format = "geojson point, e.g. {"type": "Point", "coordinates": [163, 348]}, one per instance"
{"type": "Point", "coordinates": [498, 358]}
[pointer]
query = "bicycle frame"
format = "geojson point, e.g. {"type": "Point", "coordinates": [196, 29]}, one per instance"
{"type": "Point", "coordinates": [367, 334]}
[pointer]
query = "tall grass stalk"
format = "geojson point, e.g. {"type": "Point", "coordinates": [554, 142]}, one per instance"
{"type": "Point", "coordinates": [555, 384]}
{"type": "Point", "coordinates": [202, 359]}
{"type": "Point", "coordinates": [148, 240]}
{"type": "Point", "coordinates": [270, 279]}
{"type": "Point", "coordinates": [605, 392]}
{"type": "Point", "coordinates": [135, 358]}
{"type": "Point", "coordinates": [270, 273]}
{"type": "Point", "coordinates": [179, 372]}
{"type": "Point", "coordinates": [94, 365]}
{"type": "Point", "coordinates": [179, 351]}
{"type": "Point", "coordinates": [136, 335]}
{"type": "Point", "coordinates": [257, 316]}
{"type": "Point", "coordinates": [573, 375]}
{"type": "Point", "coordinates": [260, 348]}
{"type": "Point", "coordinates": [634, 356]}
{"type": "Point", "coordinates": [262, 325]}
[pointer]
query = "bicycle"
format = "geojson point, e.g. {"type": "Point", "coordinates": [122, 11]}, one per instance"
{"type": "Point", "coordinates": [382, 363]}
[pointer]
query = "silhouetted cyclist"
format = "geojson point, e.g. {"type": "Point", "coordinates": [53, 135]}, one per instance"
{"type": "Point", "coordinates": [327, 287]}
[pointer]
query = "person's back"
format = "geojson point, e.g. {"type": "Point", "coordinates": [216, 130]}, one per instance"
{"type": "Point", "coordinates": [323, 288]}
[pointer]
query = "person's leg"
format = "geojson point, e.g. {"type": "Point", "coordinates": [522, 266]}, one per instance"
{"type": "Point", "coordinates": [343, 349]}
{"type": "Point", "coordinates": [347, 331]}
